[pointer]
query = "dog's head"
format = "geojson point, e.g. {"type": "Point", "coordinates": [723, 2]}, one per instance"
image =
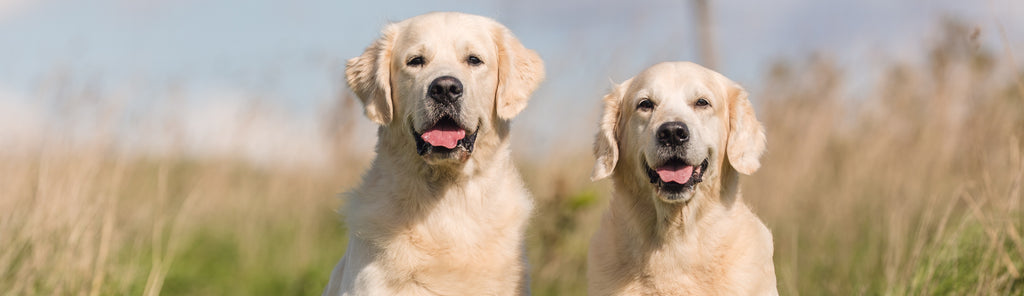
{"type": "Point", "coordinates": [674, 126]}
{"type": "Point", "coordinates": [445, 80]}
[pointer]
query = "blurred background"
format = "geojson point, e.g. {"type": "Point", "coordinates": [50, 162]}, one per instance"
{"type": "Point", "coordinates": [202, 147]}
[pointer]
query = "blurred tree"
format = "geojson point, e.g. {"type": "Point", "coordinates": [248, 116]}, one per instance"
{"type": "Point", "coordinates": [705, 34]}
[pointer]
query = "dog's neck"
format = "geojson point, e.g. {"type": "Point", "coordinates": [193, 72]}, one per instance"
{"type": "Point", "coordinates": [638, 212]}
{"type": "Point", "coordinates": [404, 185]}
{"type": "Point", "coordinates": [396, 149]}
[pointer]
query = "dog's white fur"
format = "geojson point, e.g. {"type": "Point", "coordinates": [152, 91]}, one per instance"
{"type": "Point", "coordinates": [705, 243]}
{"type": "Point", "coordinates": [422, 226]}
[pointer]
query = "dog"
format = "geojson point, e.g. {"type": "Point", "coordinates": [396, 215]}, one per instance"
{"type": "Point", "coordinates": [674, 140]}
{"type": "Point", "coordinates": [442, 210]}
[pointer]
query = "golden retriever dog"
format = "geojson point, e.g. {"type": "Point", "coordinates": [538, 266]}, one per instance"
{"type": "Point", "coordinates": [442, 209]}
{"type": "Point", "coordinates": [674, 140]}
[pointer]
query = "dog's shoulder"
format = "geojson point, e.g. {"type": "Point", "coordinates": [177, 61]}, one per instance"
{"type": "Point", "coordinates": [749, 253]}
{"type": "Point", "coordinates": [749, 229]}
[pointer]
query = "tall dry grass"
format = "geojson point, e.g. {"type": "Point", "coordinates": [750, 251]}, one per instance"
{"type": "Point", "coordinates": [85, 213]}
{"type": "Point", "coordinates": [82, 221]}
{"type": "Point", "coordinates": [910, 184]}
{"type": "Point", "coordinates": [912, 187]}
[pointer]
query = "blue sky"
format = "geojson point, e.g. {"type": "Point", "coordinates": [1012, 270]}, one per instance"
{"type": "Point", "coordinates": [291, 53]}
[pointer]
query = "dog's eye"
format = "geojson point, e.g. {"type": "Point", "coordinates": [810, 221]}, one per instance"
{"type": "Point", "coordinates": [702, 102]}
{"type": "Point", "coordinates": [474, 61]}
{"type": "Point", "coordinates": [415, 62]}
{"type": "Point", "coordinates": [645, 105]}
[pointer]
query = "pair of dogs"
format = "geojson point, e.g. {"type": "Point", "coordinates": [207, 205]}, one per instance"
{"type": "Point", "coordinates": [442, 210]}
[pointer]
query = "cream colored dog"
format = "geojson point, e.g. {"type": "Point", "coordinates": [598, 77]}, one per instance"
{"type": "Point", "coordinates": [675, 139]}
{"type": "Point", "coordinates": [442, 210]}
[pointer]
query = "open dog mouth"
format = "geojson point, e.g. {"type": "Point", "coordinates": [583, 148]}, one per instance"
{"type": "Point", "coordinates": [444, 137]}
{"type": "Point", "coordinates": [675, 175]}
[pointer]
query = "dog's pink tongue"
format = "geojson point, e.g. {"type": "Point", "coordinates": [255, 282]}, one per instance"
{"type": "Point", "coordinates": [675, 174]}
{"type": "Point", "coordinates": [446, 137]}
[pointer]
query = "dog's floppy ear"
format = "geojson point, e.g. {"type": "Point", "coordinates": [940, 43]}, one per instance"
{"type": "Point", "coordinates": [369, 76]}
{"type": "Point", "coordinates": [746, 135]}
{"type": "Point", "coordinates": [520, 71]}
{"type": "Point", "coordinates": [606, 143]}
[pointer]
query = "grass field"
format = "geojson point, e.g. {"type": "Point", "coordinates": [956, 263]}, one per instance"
{"type": "Point", "coordinates": [910, 185]}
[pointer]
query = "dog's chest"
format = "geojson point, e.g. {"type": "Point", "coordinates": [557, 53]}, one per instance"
{"type": "Point", "coordinates": [690, 269]}
{"type": "Point", "coordinates": [670, 274]}
{"type": "Point", "coordinates": [454, 253]}
{"type": "Point", "coordinates": [686, 267]}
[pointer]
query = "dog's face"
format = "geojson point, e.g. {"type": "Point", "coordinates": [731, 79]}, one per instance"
{"type": "Point", "coordinates": [445, 80]}
{"type": "Point", "coordinates": [673, 126]}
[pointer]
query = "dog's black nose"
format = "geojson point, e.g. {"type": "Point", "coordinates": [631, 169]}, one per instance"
{"type": "Point", "coordinates": [673, 133]}
{"type": "Point", "coordinates": [445, 89]}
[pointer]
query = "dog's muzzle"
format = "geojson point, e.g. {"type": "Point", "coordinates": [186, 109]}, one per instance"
{"type": "Point", "coordinates": [675, 176]}
{"type": "Point", "coordinates": [445, 139]}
